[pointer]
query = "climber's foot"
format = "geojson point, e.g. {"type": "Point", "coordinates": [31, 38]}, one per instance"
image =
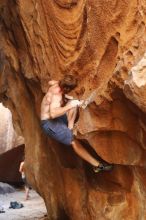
{"type": "Point", "coordinates": [102, 167]}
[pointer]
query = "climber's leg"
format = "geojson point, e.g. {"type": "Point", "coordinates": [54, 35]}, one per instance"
{"type": "Point", "coordinates": [83, 153]}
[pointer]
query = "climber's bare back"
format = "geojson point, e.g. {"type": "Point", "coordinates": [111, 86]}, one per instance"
{"type": "Point", "coordinates": [52, 99]}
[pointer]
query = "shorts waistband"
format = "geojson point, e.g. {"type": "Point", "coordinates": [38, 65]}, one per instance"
{"type": "Point", "coordinates": [44, 121]}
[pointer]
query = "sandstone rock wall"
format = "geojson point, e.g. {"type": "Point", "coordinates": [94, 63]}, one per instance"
{"type": "Point", "coordinates": [6, 130]}
{"type": "Point", "coordinates": [99, 42]}
{"type": "Point", "coordinates": [8, 137]}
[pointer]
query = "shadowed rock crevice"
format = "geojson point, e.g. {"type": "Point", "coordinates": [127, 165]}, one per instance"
{"type": "Point", "coordinates": [9, 165]}
{"type": "Point", "coordinates": [65, 3]}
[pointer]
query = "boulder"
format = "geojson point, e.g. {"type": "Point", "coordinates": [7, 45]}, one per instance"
{"type": "Point", "coordinates": [99, 42]}
{"type": "Point", "coordinates": [8, 137]}
{"type": "Point", "coordinates": [6, 188]}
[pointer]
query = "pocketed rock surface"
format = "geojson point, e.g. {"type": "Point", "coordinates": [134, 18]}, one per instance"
{"type": "Point", "coordinates": [99, 42]}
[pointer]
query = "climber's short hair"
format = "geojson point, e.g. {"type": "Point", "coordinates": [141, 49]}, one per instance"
{"type": "Point", "coordinates": [68, 83]}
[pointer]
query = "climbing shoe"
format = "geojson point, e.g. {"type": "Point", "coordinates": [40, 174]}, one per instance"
{"type": "Point", "coordinates": [102, 167]}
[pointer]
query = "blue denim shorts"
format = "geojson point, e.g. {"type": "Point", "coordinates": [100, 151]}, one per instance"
{"type": "Point", "coordinates": [57, 129]}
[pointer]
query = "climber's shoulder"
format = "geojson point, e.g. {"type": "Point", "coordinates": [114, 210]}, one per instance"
{"type": "Point", "coordinates": [54, 87]}
{"type": "Point", "coordinates": [53, 82]}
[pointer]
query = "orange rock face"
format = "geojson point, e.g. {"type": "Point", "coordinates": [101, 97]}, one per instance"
{"type": "Point", "coordinates": [100, 42]}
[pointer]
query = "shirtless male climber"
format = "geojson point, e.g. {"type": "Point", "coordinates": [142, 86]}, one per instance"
{"type": "Point", "coordinates": [58, 118]}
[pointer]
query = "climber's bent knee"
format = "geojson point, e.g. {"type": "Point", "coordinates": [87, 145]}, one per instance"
{"type": "Point", "coordinates": [75, 144]}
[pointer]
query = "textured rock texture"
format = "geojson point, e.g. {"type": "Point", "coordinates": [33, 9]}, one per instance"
{"type": "Point", "coordinates": [11, 148]}
{"type": "Point", "coordinates": [101, 43]}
